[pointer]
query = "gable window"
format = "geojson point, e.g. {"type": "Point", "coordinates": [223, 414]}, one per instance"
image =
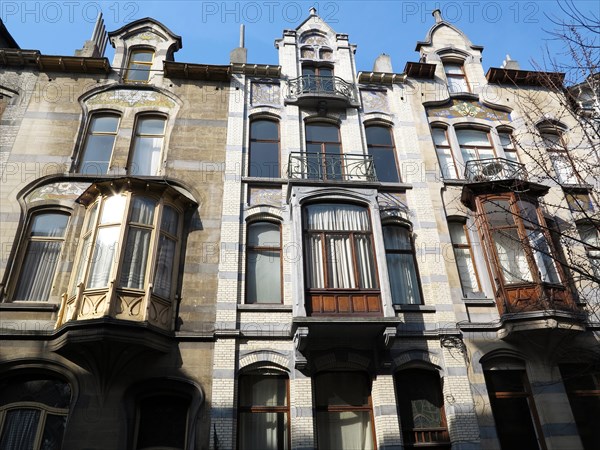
{"type": "Point", "coordinates": [99, 143]}
{"type": "Point", "coordinates": [455, 75]}
{"type": "Point", "coordinates": [147, 146]}
{"type": "Point", "coordinates": [400, 257]}
{"type": "Point", "coordinates": [263, 263]}
{"type": "Point", "coordinates": [421, 407]}
{"type": "Point", "coordinates": [513, 409]}
{"type": "Point", "coordinates": [140, 63]}
{"type": "Point", "coordinates": [508, 145]}
{"type": "Point", "coordinates": [263, 411]}
{"type": "Point", "coordinates": [590, 235]}
{"type": "Point", "coordinates": [33, 412]}
{"type": "Point", "coordinates": [45, 240]}
{"type": "Point", "coordinates": [381, 148]}
{"type": "Point", "coordinates": [343, 411]}
{"type": "Point", "coordinates": [559, 156]}
{"type": "Point", "coordinates": [264, 149]}
{"type": "Point", "coordinates": [162, 422]}
{"type": "Point", "coordinates": [324, 150]}
{"type": "Point", "coordinates": [463, 254]}
{"type": "Point", "coordinates": [582, 384]}
{"type": "Point", "coordinates": [444, 153]}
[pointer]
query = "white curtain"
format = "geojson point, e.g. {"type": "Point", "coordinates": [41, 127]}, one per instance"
{"type": "Point", "coordinates": [345, 430]}
{"type": "Point", "coordinates": [19, 430]}
{"type": "Point", "coordinates": [146, 155]}
{"type": "Point", "coordinates": [337, 217]}
{"type": "Point", "coordinates": [103, 256]}
{"type": "Point", "coordinates": [543, 257]}
{"type": "Point", "coordinates": [316, 273]}
{"type": "Point", "coordinates": [512, 256]}
{"type": "Point", "coordinates": [401, 265]}
{"type": "Point", "coordinates": [164, 266]}
{"type": "Point", "coordinates": [340, 267]}
{"type": "Point", "coordinates": [464, 261]}
{"type": "Point", "coordinates": [133, 274]}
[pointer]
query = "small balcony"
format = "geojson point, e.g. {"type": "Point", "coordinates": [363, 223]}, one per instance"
{"type": "Point", "coordinates": [494, 169]}
{"type": "Point", "coordinates": [310, 90]}
{"type": "Point", "coordinates": [331, 167]}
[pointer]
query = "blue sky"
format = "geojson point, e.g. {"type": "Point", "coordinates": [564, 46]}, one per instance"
{"type": "Point", "coordinates": [210, 29]}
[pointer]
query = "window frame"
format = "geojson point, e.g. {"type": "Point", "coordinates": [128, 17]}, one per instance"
{"type": "Point", "coordinates": [134, 143]}
{"type": "Point", "coordinates": [89, 133]}
{"type": "Point", "coordinates": [442, 147]}
{"type": "Point", "coordinates": [322, 155]}
{"type": "Point", "coordinates": [384, 147]}
{"type": "Point", "coordinates": [411, 251]}
{"type": "Point", "coordinates": [476, 148]}
{"type": "Point", "coordinates": [469, 247]}
{"type": "Point", "coordinates": [592, 251]}
{"type": "Point", "coordinates": [511, 148]}
{"type": "Point", "coordinates": [559, 153]}
{"type": "Point", "coordinates": [131, 61]}
{"type": "Point", "coordinates": [452, 76]}
{"type": "Point", "coordinates": [265, 409]}
{"type": "Point", "coordinates": [277, 141]}
{"type": "Point", "coordinates": [25, 243]}
{"type": "Point", "coordinates": [251, 248]}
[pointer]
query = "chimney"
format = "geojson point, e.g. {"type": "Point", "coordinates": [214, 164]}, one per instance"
{"type": "Point", "coordinates": [239, 55]}
{"type": "Point", "coordinates": [438, 15]}
{"type": "Point", "coordinates": [510, 64]}
{"type": "Point", "coordinates": [95, 47]}
{"type": "Point", "coordinates": [383, 63]}
{"type": "Point", "coordinates": [312, 11]}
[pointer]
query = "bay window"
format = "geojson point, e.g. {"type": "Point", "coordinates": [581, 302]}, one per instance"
{"type": "Point", "coordinates": [343, 411]}
{"type": "Point", "coordinates": [99, 143]}
{"type": "Point", "coordinates": [263, 412]}
{"type": "Point", "coordinates": [400, 257]}
{"type": "Point", "coordinates": [381, 147]}
{"type": "Point", "coordinates": [44, 243]}
{"type": "Point", "coordinates": [33, 412]}
{"type": "Point", "coordinates": [263, 263]}
{"type": "Point", "coordinates": [147, 146]}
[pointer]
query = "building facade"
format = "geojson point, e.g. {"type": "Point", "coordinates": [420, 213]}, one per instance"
{"type": "Point", "coordinates": [296, 256]}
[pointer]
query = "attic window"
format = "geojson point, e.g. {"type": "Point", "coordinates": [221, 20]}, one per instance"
{"type": "Point", "coordinates": [140, 62]}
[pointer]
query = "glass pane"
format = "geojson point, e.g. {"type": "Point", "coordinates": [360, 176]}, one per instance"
{"type": "Point", "coordinates": [142, 210]}
{"type": "Point", "coordinates": [551, 140]}
{"type": "Point", "coordinates": [315, 262]}
{"type": "Point", "coordinates": [446, 162]}
{"type": "Point", "coordinates": [505, 140]}
{"type": "Point", "coordinates": [454, 69]}
{"type": "Point", "coordinates": [473, 137]}
{"type": "Point", "coordinates": [420, 399]}
{"type": "Point", "coordinates": [263, 431]}
{"type": "Point", "coordinates": [97, 153]}
{"type": "Point", "coordinates": [265, 130]}
{"type": "Point", "coordinates": [543, 256]}
{"type": "Point", "coordinates": [151, 125]}
{"type": "Point", "coordinates": [439, 136]}
{"type": "Point", "coordinates": [142, 55]}
{"type": "Point", "coordinates": [511, 155]}
{"type": "Point", "coordinates": [146, 156]}
{"type": "Point", "coordinates": [466, 270]}
{"type": "Point", "coordinates": [511, 256]}
{"type": "Point", "coordinates": [396, 238]}
{"type": "Point", "coordinates": [505, 380]}
{"type": "Point", "coordinates": [107, 242]}
{"type": "Point", "coordinates": [263, 390]}
{"type": "Point", "coordinates": [54, 429]}
{"type": "Point", "coordinates": [457, 85]}
{"type": "Point", "coordinates": [308, 71]}
{"type": "Point", "coordinates": [263, 234]}
{"type": "Point", "coordinates": [328, 216]}
{"type": "Point", "coordinates": [162, 423]}
{"type": "Point", "coordinates": [263, 277]}
{"type": "Point", "coordinates": [589, 234]}
{"type": "Point", "coordinates": [403, 279]}
{"type": "Point", "coordinates": [385, 164]}
{"type": "Point", "coordinates": [104, 124]}
{"type": "Point", "coordinates": [170, 220]}
{"type": "Point", "coordinates": [133, 273]}
{"type": "Point", "coordinates": [325, 72]}
{"type": "Point", "coordinates": [563, 168]}
{"type": "Point", "coordinates": [340, 263]}
{"type": "Point", "coordinates": [342, 389]}
{"type": "Point", "coordinates": [50, 225]}
{"type": "Point", "coordinates": [165, 261]}
{"type": "Point", "coordinates": [138, 72]}
{"type": "Point", "coordinates": [113, 208]}
{"type": "Point", "coordinates": [37, 271]}
{"type": "Point", "coordinates": [498, 213]}
{"type": "Point", "coordinates": [322, 133]}
{"type": "Point", "coordinates": [379, 136]}
{"type": "Point", "coordinates": [19, 430]}
{"type": "Point", "coordinates": [365, 260]}
{"type": "Point", "coordinates": [344, 430]}
{"type": "Point", "coordinates": [91, 219]}
{"type": "Point", "coordinates": [457, 233]}
{"type": "Point", "coordinates": [513, 423]}
{"type": "Point", "coordinates": [83, 261]}
{"type": "Point", "coordinates": [264, 160]}
{"type": "Point", "coordinates": [48, 391]}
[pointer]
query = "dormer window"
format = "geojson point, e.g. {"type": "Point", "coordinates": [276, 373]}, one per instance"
{"type": "Point", "coordinates": [456, 78]}
{"type": "Point", "coordinates": [140, 63]}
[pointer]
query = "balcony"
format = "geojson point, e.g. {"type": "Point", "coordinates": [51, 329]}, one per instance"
{"type": "Point", "coordinates": [494, 169]}
{"type": "Point", "coordinates": [331, 167]}
{"type": "Point", "coordinates": [311, 90]}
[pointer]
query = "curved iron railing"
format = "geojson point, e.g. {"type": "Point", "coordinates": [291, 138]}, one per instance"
{"type": "Point", "coordinates": [494, 169]}
{"type": "Point", "coordinates": [325, 166]}
{"type": "Point", "coordinates": [321, 85]}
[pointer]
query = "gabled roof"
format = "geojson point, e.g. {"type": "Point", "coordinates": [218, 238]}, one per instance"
{"type": "Point", "coordinates": [140, 22]}
{"type": "Point", "coordinates": [429, 38]}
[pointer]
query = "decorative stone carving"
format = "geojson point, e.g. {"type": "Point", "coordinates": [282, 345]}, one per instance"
{"type": "Point", "coordinates": [131, 97]}
{"type": "Point", "coordinates": [265, 93]}
{"type": "Point", "coordinates": [58, 191]}
{"type": "Point", "coordinates": [264, 196]}
{"type": "Point", "coordinates": [462, 108]}
{"type": "Point", "coordinates": [374, 101]}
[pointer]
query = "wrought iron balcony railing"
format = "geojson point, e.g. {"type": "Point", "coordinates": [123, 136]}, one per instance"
{"type": "Point", "coordinates": [494, 169]}
{"type": "Point", "coordinates": [331, 167]}
{"type": "Point", "coordinates": [321, 86]}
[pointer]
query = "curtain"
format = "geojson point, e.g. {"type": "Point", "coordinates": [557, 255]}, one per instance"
{"type": "Point", "coordinates": [19, 430]}
{"type": "Point", "coordinates": [133, 274]}
{"type": "Point", "coordinates": [165, 261]}
{"type": "Point", "coordinates": [348, 430]}
{"type": "Point", "coordinates": [103, 256]}
{"type": "Point", "coordinates": [511, 255]}
{"type": "Point", "coordinates": [543, 257]}
{"type": "Point", "coordinates": [401, 266]}
{"type": "Point", "coordinates": [38, 271]}
{"type": "Point", "coordinates": [146, 155]}
{"type": "Point", "coordinates": [366, 264]}
{"type": "Point", "coordinates": [337, 217]}
{"type": "Point", "coordinates": [316, 272]}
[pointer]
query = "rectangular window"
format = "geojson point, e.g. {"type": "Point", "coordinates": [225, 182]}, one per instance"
{"type": "Point", "coordinates": [474, 145]}
{"type": "Point", "coordinates": [44, 244]}
{"type": "Point", "coordinates": [324, 152]}
{"type": "Point", "coordinates": [457, 80]}
{"type": "Point", "coordinates": [147, 146]}
{"type": "Point", "coordinates": [140, 63]}
{"type": "Point", "coordinates": [400, 257]}
{"type": "Point", "coordinates": [513, 409]}
{"type": "Point", "coordinates": [99, 143]}
{"type": "Point", "coordinates": [444, 153]}
{"type": "Point", "coordinates": [263, 160]}
{"type": "Point", "coordinates": [381, 148]}
{"type": "Point", "coordinates": [343, 411]}
{"type": "Point", "coordinates": [463, 253]}
{"type": "Point", "coordinates": [510, 152]}
{"type": "Point", "coordinates": [263, 412]}
{"type": "Point", "coordinates": [263, 263]}
{"type": "Point", "coordinates": [559, 156]}
{"type": "Point", "coordinates": [590, 235]}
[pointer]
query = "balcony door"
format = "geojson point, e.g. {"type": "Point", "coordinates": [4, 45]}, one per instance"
{"type": "Point", "coordinates": [323, 151]}
{"type": "Point", "coordinates": [317, 79]}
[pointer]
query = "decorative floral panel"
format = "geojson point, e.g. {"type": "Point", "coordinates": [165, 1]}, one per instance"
{"type": "Point", "coordinates": [462, 108]}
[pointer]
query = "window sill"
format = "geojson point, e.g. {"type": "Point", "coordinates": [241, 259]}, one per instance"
{"type": "Point", "coordinates": [479, 301]}
{"type": "Point", "coordinates": [264, 181]}
{"type": "Point", "coordinates": [265, 307]}
{"type": "Point", "coordinates": [415, 308]}
{"type": "Point", "coordinates": [30, 306]}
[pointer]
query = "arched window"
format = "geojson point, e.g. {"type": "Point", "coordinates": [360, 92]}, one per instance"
{"type": "Point", "coordinates": [263, 411]}
{"type": "Point", "coordinates": [324, 150]}
{"type": "Point", "coordinates": [401, 264]}
{"type": "Point", "coordinates": [463, 254]}
{"type": "Point", "coordinates": [33, 412]}
{"type": "Point", "coordinates": [263, 160]}
{"type": "Point", "coordinates": [421, 408]}
{"type": "Point", "coordinates": [455, 76]}
{"type": "Point", "coordinates": [99, 144]}
{"type": "Point", "coordinates": [45, 238]}
{"type": "Point", "coordinates": [139, 66]}
{"type": "Point", "coordinates": [263, 263]}
{"type": "Point", "coordinates": [344, 415]}
{"type": "Point", "coordinates": [444, 153]}
{"type": "Point", "coordinates": [381, 147]}
{"type": "Point", "coordinates": [147, 145]}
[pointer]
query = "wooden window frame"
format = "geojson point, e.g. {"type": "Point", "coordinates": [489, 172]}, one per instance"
{"type": "Point", "coordinates": [266, 409]}
{"type": "Point", "coordinates": [90, 132]}
{"type": "Point", "coordinates": [132, 61]}
{"type": "Point", "coordinates": [468, 246]}
{"type": "Point", "coordinates": [389, 148]}
{"type": "Point", "coordinates": [448, 147]}
{"type": "Point", "coordinates": [556, 152]}
{"type": "Point", "coordinates": [269, 141]}
{"type": "Point", "coordinates": [323, 150]}
{"type": "Point", "coordinates": [461, 76]}
{"type": "Point", "coordinates": [252, 248]}
{"type": "Point", "coordinates": [412, 252]}
{"type": "Point", "coordinates": [138, 134]}
{"type": "Point", "coordinates": [490, 145]}
{"type": "Point", "coordinates": [511, 148]}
